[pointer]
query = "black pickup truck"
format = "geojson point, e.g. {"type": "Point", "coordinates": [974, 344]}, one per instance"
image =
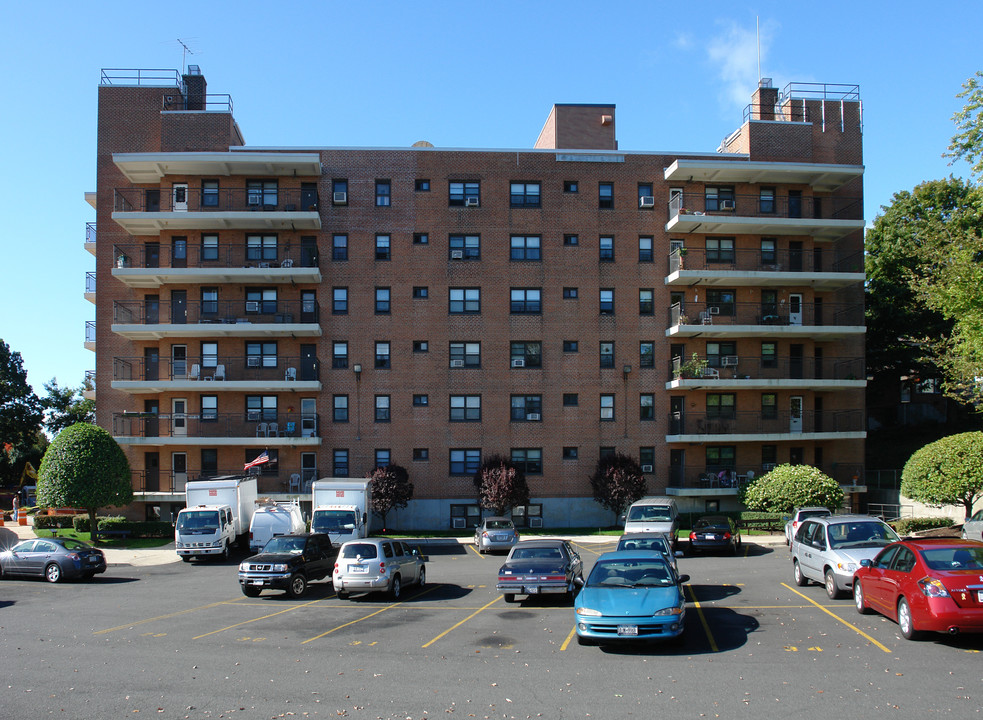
{"type": "Point", "coordinates": [288, 562]}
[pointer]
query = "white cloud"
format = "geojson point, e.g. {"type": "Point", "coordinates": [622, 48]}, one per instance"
{"type": "Point", "coordinates": [735, 53]}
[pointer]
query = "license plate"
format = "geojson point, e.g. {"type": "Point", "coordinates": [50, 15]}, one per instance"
{"type": "Point", "coordinates": [627, 630]}
{"type": "Point", "coordinates": [709, 537]}
{"type": "Point", "coordinates": [255, 582]}
{"type": "Point", "coordinates": [358, 568]}
{"type": "Point", "coordinates": [979, 595]}
{"type": "Point", "coordinates": [531, 590]}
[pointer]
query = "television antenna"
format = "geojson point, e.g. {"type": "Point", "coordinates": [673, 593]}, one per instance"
{"type": "Point", "coordinates": [184, 54]}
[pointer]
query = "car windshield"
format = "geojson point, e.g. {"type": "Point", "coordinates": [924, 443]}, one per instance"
{"type": "Point", "coordinates": [498, 525]}
{"type": "Point", "coordinates": [861, 534]}
{"type": "Point", "coordinates": [198, 521]}
{"type": "Point", "coordinates": [283, 545]}
{"type": "Point", "coordinates": [655, 544]}
{"type": "Point", "coordinates": [366, 551]}
{"type": "Point", "coordinates": [631, 573]}
{"type": "Point", "coordinates": [536, 553]}
{"type": "Point", "coordinates": [649, 512]}
{"type": "Point", "coordinates": [333, 521]}
{"type": "Point", "coordinates": [954, 558]}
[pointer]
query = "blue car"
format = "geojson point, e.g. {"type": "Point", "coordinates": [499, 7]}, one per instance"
{"type": "Point", "coordinates": [631, 595]}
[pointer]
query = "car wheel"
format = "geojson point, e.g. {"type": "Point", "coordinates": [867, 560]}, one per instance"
{"type": "Point", "coordinates": [52, 573]}
{"type": "Point", "coordinates": [250, 591]}
{"type": "Point", "coordinates": [830, 582]}
{"type": "Point", "coordinates": [225, 551]}
{"type": "Point", "coordinates": [905, 621]}
{"type": "Point", "coordinates": [800, 579]}
{"type": "Point", "coordinates": [423, 576]}
{"type": "Point", "coordinates": [297, 586]}
{"type": "Point", "coordinates": [343, 595]}
{"type": "Point", "coordinates": [509, 597]}
{"type": "Point", "coordinates": [186, 558]}
{"type": "Point", "coordinates": [395, 588]}
{"type": "Point", "coordinates": [858, 598]}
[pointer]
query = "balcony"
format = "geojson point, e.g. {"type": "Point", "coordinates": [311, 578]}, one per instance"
{"type": "Point", "coordinates": [754, 268]}
{"type": "Point", "coordinates": [89, 385]}
{"type": "Point", "coordinates": [140, 211]}
{"type": "Point", "coordinates": [229, 318]}
{"type": "Point", "coordinates": [716, 481]}
{"type": "Point", "coordinates": [752, 427]}
{"type": "Point", "coordinates": [259, 430]}
{"type": "Point", "coordinates": [824, 218]}
{"type": "Point", "coordinates": [764, 373]}
{"type": "Point", "coordinates": [151, 265]}
{"type": "Point", "coordinates": [793, 319]}
{"type": "Point", "coordinates": [151, 168]}
{"type": "Point", "coordinates": [90, 335]}
{"type": "Point", "coordinates": [160, 483]}
{"type": "Point", "coordinates": [90, 287]}
{"type": "Point", "coordinates": [820, 177]}
{"type": "Point", "coordinates": [138, 375]}
{"type": "Point", "coordinates": [90, 238]}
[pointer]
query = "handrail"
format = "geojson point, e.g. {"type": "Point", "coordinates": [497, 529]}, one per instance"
{"type": "Point", "coordinates": [804, 207]}
{"type": "Point", "coordinates": [217, 368]}
{"type": "Point", "coordinates": [141, 76]}
{"type": "Point", "coordinates": [217, 311]}
{"type": "Point", "coordinates": [771, 260]}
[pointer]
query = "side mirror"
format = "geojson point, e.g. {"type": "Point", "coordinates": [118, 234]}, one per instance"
{"type": "Point", "coordinates": [683, 579]}
{"type": "Point", "coordinates": [679, 553]}
{"type": "Point", "coordinates": [622, 520]}
{"type": "Point", "coordinates": [579, 581]}
{"type": "Point", "coordinates": [866, 562]}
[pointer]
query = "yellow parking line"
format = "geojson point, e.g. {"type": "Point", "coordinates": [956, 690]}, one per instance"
{"type": "Point", "coordinates": [588, 548]}
{"type": "Point", "coordinates": [165, 617]}
{"type": "Point", "coordinates": [264, 617]}
{"type": "Point", "coordinates": [452, 627]}
{"type": "Point", "coordinates": [566, 643]}
{"type": "Point", "coordinates": [471, 547]}
{"type": "Point", "coordinates": [381, 610]}
{"type": "Point", "coordinates": [703, 620]}
{"type": "Point", "coordinates": [831, 614]}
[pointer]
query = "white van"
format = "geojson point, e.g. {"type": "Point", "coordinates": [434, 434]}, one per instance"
{"type": "Point", "coordinates": [272, 519]}
{"type": "Point", "coordinates": [657, 514]}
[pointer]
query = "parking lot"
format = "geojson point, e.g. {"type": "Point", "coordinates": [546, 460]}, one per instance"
{"type": "Point", "coordinates": [181, 640]}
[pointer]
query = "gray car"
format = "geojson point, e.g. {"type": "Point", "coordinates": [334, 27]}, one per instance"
{"type": "Point", "coordinates": [495, 533]}
{"type": "Point", "coordinates": [829, 549]}
{"type": "Point", "coordinates": [378, 564]}
{"type": "Point", "coordinates": [656, 542]}
{"type": "Point", "coordinates": [973, 528]}
{"type": "Point", "coordinates": [55, 559]}
{"type": "Point", "coordinates": [800, 514]}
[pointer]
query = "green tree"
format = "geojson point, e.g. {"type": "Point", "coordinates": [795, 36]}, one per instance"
{"type": "Point", "coordinates": [791, 486]}
{"type": "Point", "coordinates": [617, 482]}
{"type": "Point", "coordinates": [84, 467]}
{"type": "Point", "coordinates": [21, 411]}
{"type": "Point", "coordinates": [948, 471]}
{"type": "Point", "coordinates": [501, 485]}
{"type": "Point", "coordinates": [967, 144]}
{"type": "Point", "coordinates": [391, 489]}
{"type": "Point", "coordinates": [67, 406]}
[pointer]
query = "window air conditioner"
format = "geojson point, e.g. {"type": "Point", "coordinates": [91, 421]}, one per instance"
{"type": "Point", "coordinates": [518, 362]}
{"type": "Point", "coordinates": [255, 199]}
{"type": "Point", "coordinates": [535, 522]}
{"type": "Point", "coordinates": [728, 361]}
{"type": "Point", "coordinates": [714, 310]}
{"type": "Point", "coordinates": [252, 361]}
{"type": "Point", "coordinates": [252, 306]}
{"type": "Point", "coordinates": [646, 201]}
{"type": "Point", "coordinates": [457, 254]}
{"type": "Point", "coordinates": [471, 201]}
{"type": "Point", "coordinates": [339, 198]}
{"type": "Point", "coordinates": [458, 523]}
{"type": "Point", "coordinates": [646, 468]}
{"type": "Point", "coordinates": [533, 417]}
{"type": "Point", "coordinates": [457, 363]}
{"type": "Point", "coordinates": [726, 204]}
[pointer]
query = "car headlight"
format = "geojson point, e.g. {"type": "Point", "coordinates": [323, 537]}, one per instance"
{"type": "Point", "coordinates": [243, 567]}
{"type": "Point", "coordinates": [589, 612]}
{"type": "Point", "coordinates": [677, 610]}
{"type": "Point", "coordinates": [847, 567]}
{"type": "Point", "coordinates": [280, 567]}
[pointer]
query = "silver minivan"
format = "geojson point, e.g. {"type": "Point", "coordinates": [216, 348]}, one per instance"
{"type": "Point", "coordinates": [655, 514]}
{"type": "Point", "coordinates": [829, 549]}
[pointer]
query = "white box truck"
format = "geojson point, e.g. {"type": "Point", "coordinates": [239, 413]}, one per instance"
{"type": "Point", "coordinates": [272, 519]}
{"type": "Point", "coordinates": [341, 508]}
{"type": "Point", "coordinates": [216, 517]}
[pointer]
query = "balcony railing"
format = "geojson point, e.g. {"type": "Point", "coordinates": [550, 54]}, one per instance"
{"type": "Point", "coordinates": [217, 368]}
{"type": "Point", "coordinates": [195, 255]}
{"type": "Point", "coordinates": [785, 313]}
{"type": "Point", "coordinates": [222, 200]}
{"type": "Point", "coordinates": [90, 331]}
{"type": "Point", "coordinates": [225, 311]}
{"type": "Point", "coordinates": [90, 232]}
{"type": "Point", "coordinates": [752, 423]}
{"type": "Point", "coordinates": [90, 282]}
{"type": "Point", "coordinates": [274, 480]}
{"type": "Point", "coordinates": [791, 105]}
{"type": "Point", "coordinates": [230, 425]}
{"type": "Point", "coordinates": [779, 207]}
{"type": "Point", "coordinates": [768, 368]}
{"type": "Point", "coordinates": [90, 379]}
{"type": "Point", "coordinates": [784, 260]}
{"type": "Point", "coordinates": [708, 477]}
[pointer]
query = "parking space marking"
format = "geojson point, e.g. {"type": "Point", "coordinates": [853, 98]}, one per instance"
{"type": "Point", "coordinates": [457, 625]}
{"type": "Point", "coordinates": [591, 549]}
{"type": "Point", "coordinates": [381, 610]}
{"type": "Point", "coordinates": [566, 643]}
{"type": "Point", "coordinates": [166, 617]}
{"type": "Point", "coordinates": [472, 549]}
{"type": "Point", "coordinates": [263, 617]}
{"type": "Point", "coordinates": [834, 615]}
{"type": "Point", "coordinates": [703, 619]}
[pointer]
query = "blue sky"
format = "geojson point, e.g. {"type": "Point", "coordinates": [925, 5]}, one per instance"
{"type": "Point", "coordinates": [455, 74]}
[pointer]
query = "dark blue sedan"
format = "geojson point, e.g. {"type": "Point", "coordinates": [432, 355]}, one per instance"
{"type": "Point", "coordinates": [54, 559]}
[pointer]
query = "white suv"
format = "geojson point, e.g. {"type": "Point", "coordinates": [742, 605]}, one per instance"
{"type": "Point", "coordinates": [377, 564]}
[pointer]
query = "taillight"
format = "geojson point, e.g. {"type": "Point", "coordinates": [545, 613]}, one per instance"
{"type": "Point", "coordinates": [73, 556]}
{"type": "Point", "coordinates": [726, 536]}
{"type": "Point", "coordinates": [382, 568]}
{"type": "Point", "coordinates": [931, 587]}
{"type": "Point", "coordinates": [336, 567]}
{"type": "Point", "coordinates": [692, 536]}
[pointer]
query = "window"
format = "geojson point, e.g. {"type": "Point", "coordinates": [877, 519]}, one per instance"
{"type": "Point", "coordinates": [605, 195]}
{"type": "Point", "coordinates": [528, 460]}
{"type": "Point", "coordinates": [607, 301]}
{"type": "Point", "coordinates": [465, 354]}
{"type": "Point", "coordinates": [464, 247]}
{"type": "Point", "coordinates": [465, 408]}
{"type": "Point", "coordinates": [720, 250]}
{"type": "Point", "coordinates": [769, 251]}
{"type": "Point", "coordinates": [721, 406]}
{"type": "Point", "coordinates": [524, 194]}
{"type": "Point", "coordinates": [571, 346]}
{"type": "Point", "coordinates": [209, 408]}
{"type": "Point", "coordinates": [716, 351]}
{"type": "Point", "coordinates": [209, 301]}
{"type": "Point", "coordinates": [527, 408]}
{"type": "Point", "coordinates": [209, 462]}
{"type": "Point", "coordinates": [464, 301]}
{"type": "Point", "coordinates": [339, 355]}
{"type": "Point", "coordinates": [571, 186]}
{"type": "Point", "coordinates": [209, 354]}
{"type": "Point", "coordinates": [260, 301]}
{"type": "Point", "coordinates": [339, 301]}
{"type": "Point", "coordinates": [340, 404]}
{"type": "Point", "coordinates": [645, 249]}
{"type": "Point", "coordinates": [720, 457]}
{"type": "Point", "coordinates": [646, 301]}
{"type": "Point", "coordinates": [607, 354]}
{"type": "Point", "coordinates": [261, 354]}
{"type": "Point", "coordinates": [421, 454]}
{"type": "Point", "coordinates": [261, 407]}
{"type": "Point", "coordinates": [719, 198]}
{"type": "Point", "coordinates": [421, 346]}
{"type": "Point", "coordinates": [570, 453]}
{"type": "Point", "coordinates": [209, 248]}
{"type": "Point", "coordinates": [339, 463]}
{"type": "Point", "coordinates": [261, 192]}
{"type": "Point", "coordinates": [646, 198]}
{"type": "Point", "coordinates": [769, 406]}
{"type": "Point", "coordinates": [571, 400]}
{"type": "Point", "coordinates": [383, 192]}
{"type": "Point", "coordinates": [769, 355]}
{"type": "Point", "coordinates": [766, 200]}
{"type": "Point", "coordinates": [646, 457]}
{"type": "Point", "coordinates": [382, 300]}
{"type": "Point", "coordinates": [462, 194]}
{"type": "Point", "coordinates": [383, 457]}
{"type": "Point", "coordinates": [769, 306]}
{"type": "Point", "coordinates": [526, 301]}
{"type": "Point", "coordinates": [526, 355]}
{"type": "Point", "coordinates": [421, 238]}
{"type": "Point", "coordinates": [769, 457]}
{"type": "Point", "coordinates": [382, 403]}
{"type": "Point", "coordinates": [209, 193]}
{"type": "Point", "coordinates": [606, 249]}
{"type": "Point", "coordinates": [571, 240]}
{"type": "Point", "coordinates": [382, 356]}
{"type": "Point", "coordinates": [646, 354]}
{"type": "Point", "coordinates": [382, 250]}
{"type": "Point", "coordinates": [570, 293]}
{"type": "Point", "coordinates": [421, 400]}
{"type": "Point", "coordinates": [525, 247]}
{"type": "Point", "coordinates": [339, 247]}
{"type": "Point", "coordinates": [261, 248]}
{"type": "Point", "coordinates": [465, 461]}
{"type": "Point", "coordinates": [269, 468]}
{"type": "Point", "coordinates": [421, 293]}
{"type": "Point", "coordinates": [646, 406]}
{"type": "Point", "coordinates": [607, 407]}
{"type": "Point", "coordinates": [422, 185]}
{"type": "Point", "coordinates": [339, 192]}
{"type": "Point", "coordinates": [723, 300]}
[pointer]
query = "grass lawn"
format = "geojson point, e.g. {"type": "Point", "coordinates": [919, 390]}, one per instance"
{"type": "Point", "coordinates": [114, 542]}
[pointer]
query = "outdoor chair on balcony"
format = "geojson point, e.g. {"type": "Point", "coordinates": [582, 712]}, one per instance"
{"type": "Point", "coordinates": [288, 263]}
{"type": "Point", "coordinates": [273, 430]}
{"type": "Point", "coordinates": [290, 374]}
{"type": "Point", "coordinates": [295, 482]}
{"type": "Point", "coordinates": [195, 372]}
{"type": "Point", "coordinates": [220, 372]}
{"type": "Point", "coordinates": [262, 430]}
{"type": "Point", "coordinates": [711, 372]}
{"type": "Point", "coordinates": [289, 430]}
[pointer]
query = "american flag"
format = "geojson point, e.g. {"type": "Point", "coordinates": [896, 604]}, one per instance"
{"type": "Point", "coordinates": [263, 458]}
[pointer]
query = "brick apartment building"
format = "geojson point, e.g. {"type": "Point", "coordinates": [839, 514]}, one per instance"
{"type": "Point", "coordinates": [342, 308]}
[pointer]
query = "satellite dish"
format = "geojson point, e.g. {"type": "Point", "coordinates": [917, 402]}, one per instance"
{"type": "Point", "coordinates": [422, 143]}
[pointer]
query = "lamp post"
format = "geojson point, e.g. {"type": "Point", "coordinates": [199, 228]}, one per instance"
{"type": "Point", "coordinates": [357, 369]}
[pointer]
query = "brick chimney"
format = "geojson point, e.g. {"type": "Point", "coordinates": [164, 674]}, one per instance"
{"type": "Point", "coordinates": [579, 127]}
{"type": "Point", "coordinates": [194, 88]}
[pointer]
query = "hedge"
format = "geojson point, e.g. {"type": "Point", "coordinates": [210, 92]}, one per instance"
{"type": "Point", "coordinates": [906, 526]}
{"type": "Point", "coordinates": [49, 522]}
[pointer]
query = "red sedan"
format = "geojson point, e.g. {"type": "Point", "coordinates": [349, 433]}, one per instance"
{"type": "Point", "coordinates": [932, 584]}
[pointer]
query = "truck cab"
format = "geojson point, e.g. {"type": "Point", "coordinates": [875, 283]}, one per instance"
{"type": "Point", "coordinates": [341, 522]}
{"type": "Point", "coordinates": [204, 530]}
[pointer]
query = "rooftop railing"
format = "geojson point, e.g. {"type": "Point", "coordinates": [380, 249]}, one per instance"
{"type": "Point", "coordinates": [151, 77]}
{"type": "Point", "coordinates": [792, 102]}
